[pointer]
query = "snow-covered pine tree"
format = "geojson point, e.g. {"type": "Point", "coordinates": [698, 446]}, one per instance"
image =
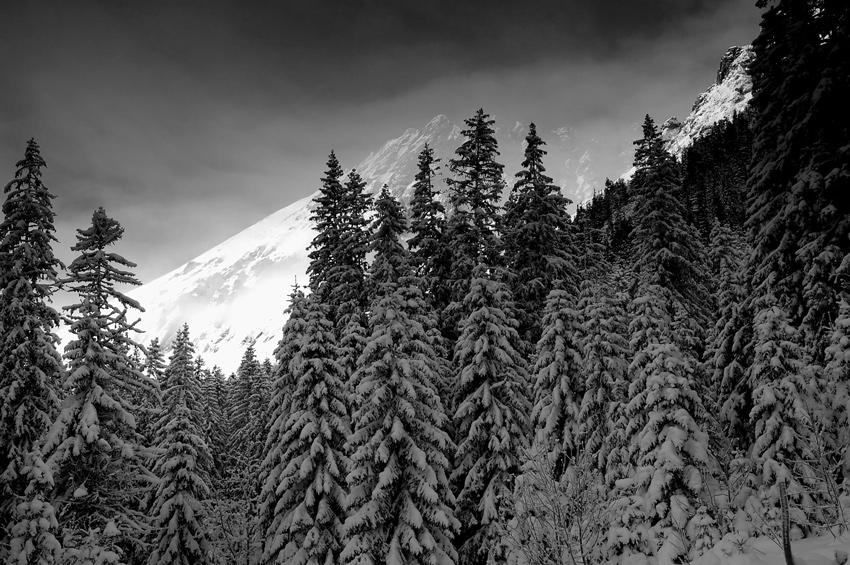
{"type": "Point", "coordinates": [492, 419]}
{"type": "Point", "coordinates": [282, 389]}
{"type": "Point", "coordinates": [837, 376]}
{"type": "Point", "coordinates": [799, 216]}
{"type": "Point", "coordinates": [347, 278]}
{"type": "Point", "coordinates": [728, 350]}
{"type": "Point", "coordinates": [559, 383]}
{"type": "Point", "coordinates": [537, 239]}
{"type": "Point", "coordinates": [667, 443]}
{"type": "Point", "coordinates": [400, 501]}
{"type": "Point", "coordinates": [250, 406]}
{"type": "Point", "coordinates": [429, 256]}
{"type": "Point", "coordinates": [304, 495]}
{"type": "Point", "coordinates": [472, 226]}
{"type": "Point", "coordinates": [154, 361]}
{"type": "Point", "coordinates": [605, 353]}
{"type": "Point", "coordinates": [783, 393]}
{"type": "Point", "coordinates": [245, 453]}
{"type": "Point", "coordinates": [327, 219]}
{"type": "Point", "coordinates": [391, 258]}
{"type": "Point", "coordinates": [31, 369]}
{"type": "Point", "coordinates": [666, 251]}
{"type": "Point", "coordinates": [177, 515]}
{"type": "Point", "coordinates": [100, 468]}
{"type": "Point", "coordinates": [212, 391]}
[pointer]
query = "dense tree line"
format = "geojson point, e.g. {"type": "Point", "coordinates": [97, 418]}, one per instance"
{"type": "Point", "coordinates": [649, 371]}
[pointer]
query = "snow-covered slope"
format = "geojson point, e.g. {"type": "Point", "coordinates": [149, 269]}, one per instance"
{"type": "Point", "coordinates": [235, 293]}
{"type": "Point", "coordinates": [730, 94]}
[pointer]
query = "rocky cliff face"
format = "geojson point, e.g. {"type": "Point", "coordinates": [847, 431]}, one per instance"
{"type": "Point", "coordinates": [730, 94]}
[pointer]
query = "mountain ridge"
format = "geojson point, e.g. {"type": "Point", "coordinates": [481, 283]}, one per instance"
{"type": "Point", "coordinates": [235, 294]}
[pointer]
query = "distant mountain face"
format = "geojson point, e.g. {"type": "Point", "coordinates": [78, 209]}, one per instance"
{"type": "Point", "coordinates": [235, 294]}
{"type": "Point", "coordinates": [730, 94]}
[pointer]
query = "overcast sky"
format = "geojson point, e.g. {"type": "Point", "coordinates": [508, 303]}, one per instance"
{"type": "Point", "coordinates": [189, 121]}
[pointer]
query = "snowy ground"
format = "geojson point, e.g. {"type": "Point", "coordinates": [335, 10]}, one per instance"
{"type": "Point", "coordinates": [824, 550]}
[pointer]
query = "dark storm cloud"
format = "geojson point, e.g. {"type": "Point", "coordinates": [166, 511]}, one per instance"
{"type": "Point", "coordinates": [190, 120]}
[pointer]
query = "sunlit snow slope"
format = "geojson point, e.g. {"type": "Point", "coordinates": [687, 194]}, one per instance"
{"type": "Point", "coordinates": [235, 294]}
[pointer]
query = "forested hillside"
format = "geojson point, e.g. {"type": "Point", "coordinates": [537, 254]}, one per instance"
{"type": "Point", "coordinates": [471, 379]}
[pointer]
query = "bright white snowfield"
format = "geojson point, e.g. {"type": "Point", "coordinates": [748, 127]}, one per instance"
{"type": "Point", "coordinates": [235, 294]}
{"type": "Point", "coordinates": [822, 550]}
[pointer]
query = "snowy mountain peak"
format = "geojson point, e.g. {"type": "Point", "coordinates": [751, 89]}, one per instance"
{"type": "Point", "coordinates": [235, 294]}
{"type": "Point", "coordinates": [726, 97]}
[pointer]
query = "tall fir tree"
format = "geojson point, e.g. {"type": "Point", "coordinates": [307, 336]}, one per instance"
{"type": "Point", "coordinates": [559, 386]}
{"type": "Point", "coordinates": [327, 218]}
{"type": "Point", "coordinates": [400, 501]}
{"type": "Point", "coordinates": [605, 353]}
{"type": "Point", "coordinates": [667, 251]}
{"type": "Point", "coordinates": [728, 351]}
{"type": "Point", "coordinates": [304, 495]}
{"type": "Point", "coordinates": [473, 224]}
{"type": "Point", "coordinates": [177, 514]}
{"type": "Point", "coordinates": [101, 469]}
{"type": "Point", "coordinates": [347, 279]}
{"type": "Point", "coordinates": [537, 239]}
{"type": "Point", "coordinates": [31, 369]}
{"type": "Point", "coordinates": [391, 259]}
{"type": "Point", "coordinates": [798, 226]}
{"type": "Point", "coordinates": [429, 255]}
{"type": "Point", "coordinates": [665, 444]}
{"type": "Point", "coordinates": [281, 394]}
{"type": "Point", "coordinates": [213, 393]}
{"type": "Point", "coordinates": [799, 216]}
{"type": "Point", "coordinates": [492, 419]}
{"type": "Point", "coordinates": [784, 390]}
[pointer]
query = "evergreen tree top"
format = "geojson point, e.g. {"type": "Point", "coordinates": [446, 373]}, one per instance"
{"type": "Point", "coordinates": [93, 272]}
{"type": "Point", "coordinates": [477, 154]}
{"type": "Point", "coordinates": [27, 229]}
{"type": "Point", "coordinates": [390, 261]}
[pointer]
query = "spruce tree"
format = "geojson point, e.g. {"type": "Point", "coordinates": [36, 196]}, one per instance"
{"type": "Point", "coordinates": [212, 391]}
{"type": "Point", "coordinates": [177, 514]}
{"type": "Point", "coordinates": [728, 346]}
{"type": "Point", "coordinates": [30, 367]}
{"type": "Point", "coordinates": [837, 376]}
{"type": "Point", "coordinates": [282, 389]}
{"type": "Point", "coordinates": [347, 278]}
{"type": "Point", "coordinates": [537, 238]}
{"type": "Point", "coordinates": [798, 224]}
{"type": "Point", "coordinates": [472, 227]}
{"type": "Point", "coordinates": [665, 439]}
{"type": "Point", "coordinates": [304, 495]}
{"type": "Point", "coordinates": [391, 258]}
{"type": "Point", "coordinates": [246, 449]}
{"type": "Point", "coordinates": [605, 353]}
{"type": "Point", "coordinates": [667, 251]}
{"type": "Point", "coordinates": [327, 219]}
{"type": "Point", "coordinates": [559, 385]}
{"type": "Point", "coordinates": [799, 216]}
{"type": "Point", "coordinates": [781, 378]}
{"type": "Point", "coordinates": [100, 467]}
{"type": "Point", "coordinates": [492, 419]}
{"type": "Point", "coordinates": [400, 501]}
{"type": "Point", "coordinates": [429, 255]}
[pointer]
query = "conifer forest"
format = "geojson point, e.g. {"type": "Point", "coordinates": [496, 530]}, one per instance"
{"type": "Point", "coordinates": [477, 376]}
